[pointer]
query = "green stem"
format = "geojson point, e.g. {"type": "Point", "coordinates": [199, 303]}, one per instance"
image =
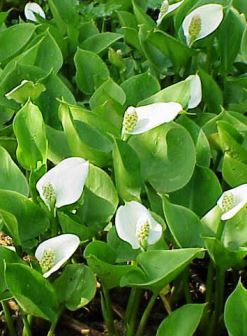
{"type": "Point", "coordinates": [131, 310]}
{"type": "Point", "coordinates": [219, 292]}
{"type": "Point", "coordinates": [108, 315]}
{"type": "Point", "coordinates": [145, 316]}
{"type": "Point", "coordinates": [8, 318]}
{"type": "Point", "coordinates": [207, 315]}
{"type": "Point", "coordinates": [209, 283]}
{"type": "Point", "coordinates": [26, 330]}
{"type": "Point", "coordinates": [186, 285]}
{"type": "Point", "coordinates": [54, 222]}
{"type": "Point", "coordinates": [51, 331]}
{"type": "Point", "coordinates": [166, 304]}
{"type": "Point", "coordinates": [53, 326]}
{"type": "Point", "coordinates": [219, 301]}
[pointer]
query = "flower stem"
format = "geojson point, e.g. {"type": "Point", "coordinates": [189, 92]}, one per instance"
{"type": "Point", "coordinates": [107, 311]}
{"type": "Point", "coordinates": [219, 292]}
{"type": "Point", "coordinates": [166, 304]}
{"type": "Point", "coordinates": [209, 283]}
{"type": "Point", "coordinates": [219, 300]}
{"type": "Point", "coordinates": [186, 285]}
{"type": "Point", "coordinates": [131, 310]}
{"type": "Point", "coordinates": [26, 330]}
{"type": "Point", "coordinates": [53, 326]}
{"type": "Point", "coordinates": [54, 222]}
{"type": "Point", "coordinates": [145, 316]}
{"type": "Point", "coordinates": [8, 318]}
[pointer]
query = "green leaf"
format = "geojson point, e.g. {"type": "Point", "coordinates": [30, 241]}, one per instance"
{"type": "Point", "coordinates": [6, 257]}
{"type": "Point", "coordinates": [107, 92]}
{"type": "Point", "coordinates": [235, 311]}
{"type": "Point", "coordinates": [48, 102]}
{"type": "Point", "coordinates": [167, 156]}
{"type": "Point", "coordinates": [131, 37]}
{"type": "Point", "coordinates": [32, 220]}
{"type": "Point", "coordinates": [179, 92]}
{"type": "Point", "coordinates": [231, 141]}
{"type": "Point", "coordinates": [224, 257]}
{"type": "Point", "coordinates": [157, 268]}
{"type": "Point", "coordinates": [203, 151]}
{"type": "Point", "coordinates": [127, 171]}
{"type": "Point", "coordinates": [72, 224]}
{"type": "Point", "coordinates": [14, 38]}
{"type": "Point", "coordinates": [139, 87]}
{"type": "Point", "coordinates": [141, 17]}
{"type": "Point", "coordinates": [76, 286]}
{"type": "Point", "coordinates": [10, 226]}
{"type": "Point", "coordinates": [11, 177]}
{"type": "Point", "coordinates": [201, 193]}
{"type": "Point", "coordinates": [123, 250]}
{"type": "Point", "coordinates": [100, 42]}
{"type": "Point", "coordinates": [234, 235]}
{"type": "Point", "coordinates": [229, 45]}
{"type": "Point", "coordinates": [84, 140]}
{"type": "Point", "coordinates": [91, 71]}
{"type": "Point", "coordinates": [14, 73]}
{"type": "Point", "coordinates": [29, 130]}
{"type": "Point", "coordinates": [44, 53]}
{"type": "Point", "coordinates": [32, 291]}
{"type": "Point", "coordinates": [234, 171]}
{"type": "Point", "coordinates": [95, 118]}
{"type": "Point", "coordinates": [183, 224]}
{"type": "Point", "coordinates": [26, 90]}
{"type": "Point", "coordinates": [177, 53]}
{"type": "Point", "coordinates": [58, 148]}
{"type": "Point", "coordinates": [64, 12]}
{"type": "Point", "coordinates": [186, 318]}
{"type": "Point", "coordinates": [101, 258]}
{"type": "Point", "coordinates": [100, 199]}
{"type": "Point", "coordinates": [158, 60]}
{"type": "Point", "coordinates": [127, 19]}
{"type": "Point", "coordinates": [211, 92]}
{"type": "Point", "coordinates": [87, 29]}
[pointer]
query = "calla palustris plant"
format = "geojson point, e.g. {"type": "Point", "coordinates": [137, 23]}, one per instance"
{"type": "Point", "coordinates": [169, 77]}
{"type": "Point", "coordinates": [201, 22]}
{"type": "Point", "coordinates": [63, 184]}
{"type": "Point", "coordinates": [54, 252]}
{"type": "Point", "coordinates": [135, 225]}
{"type": "Point", "coordinates": [32, 9]}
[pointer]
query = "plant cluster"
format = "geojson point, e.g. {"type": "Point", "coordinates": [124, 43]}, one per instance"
{"type": "Point", "coordinates": [123, 164]}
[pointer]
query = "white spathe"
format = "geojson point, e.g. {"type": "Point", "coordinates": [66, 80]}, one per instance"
{"type": "Point", "coordinates": [210, 17]}
{"type": "Point", "coordinates": [151, 116]}
{"type": "Point", "coordinates": [62, 247]}
{"type": "Point", "coordinates": [30, 9]}
{"type": "Point", "coordinates": [232, 201]}
{"type": "Point", "coordinates": [67, 180]}
{"type": "Point", "coordinates": [166, 9]}
{"type": "Point", "coordinates": [131, 219]}
{"type": "Point", "coordinates": [195, 91]}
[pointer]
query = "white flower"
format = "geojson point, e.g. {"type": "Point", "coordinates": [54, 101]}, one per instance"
{"type": "Point", "coordinates": [30, 9]}
{"type": "Point", "coordinates": [54, 252]}
{"type": "Point", "coordinates": [141, 119]}
{"type": "Point", "coordinates": [63, 184]}
{"type": "Point", "coordinates": [166, 9]}
{"type": "Point", "coordinates": [135, 224]}
{"type": "Point", "coordinates": [232, 201]}
{"type": "Point", "coordinates": [195, 91]}
{"type": "Point", "coordinates": [201, 22]}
